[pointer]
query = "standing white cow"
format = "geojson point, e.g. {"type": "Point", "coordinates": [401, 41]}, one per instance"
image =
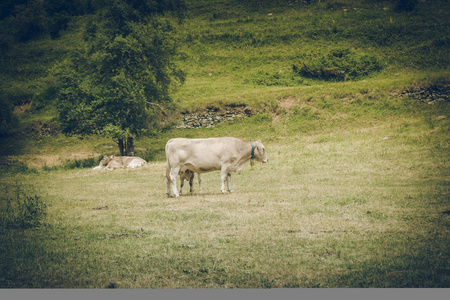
{"type": "Point", "coordinates": [226, 154]}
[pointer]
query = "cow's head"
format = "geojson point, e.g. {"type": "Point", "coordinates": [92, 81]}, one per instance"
{"type": "Point", "coordinates": [260, 152]}
{"type": "Point", "coordinates": [106, 160]}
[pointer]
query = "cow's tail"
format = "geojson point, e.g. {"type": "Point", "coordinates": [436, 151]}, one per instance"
{"type": "Point", "coordinates": [168, 174]}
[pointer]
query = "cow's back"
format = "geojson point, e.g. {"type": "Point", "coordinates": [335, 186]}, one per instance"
{"type": "Point", "coordinates": [126, 162]}
{"type": "Point", "coordinates": [202, 155]}
{"type": "Point", "coordinates": [134, 162]}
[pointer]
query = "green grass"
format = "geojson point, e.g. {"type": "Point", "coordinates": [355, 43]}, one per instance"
{"type": "Point", "coordinates": [355, 194]}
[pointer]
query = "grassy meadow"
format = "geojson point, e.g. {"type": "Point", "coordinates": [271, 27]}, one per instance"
{"type": "Point", "coordinates": [342, 209]}
{"type": "Point", "coordinates": [355, 193]}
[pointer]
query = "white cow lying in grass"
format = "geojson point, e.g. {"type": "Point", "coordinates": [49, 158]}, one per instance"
{"type": "Point", "coordinates": [115, 162]}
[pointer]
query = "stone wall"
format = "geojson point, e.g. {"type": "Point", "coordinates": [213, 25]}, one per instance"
{"type": "Point", "coordinates": [212, 116]}
{"type": "Point", "coordinates": [429, 93]}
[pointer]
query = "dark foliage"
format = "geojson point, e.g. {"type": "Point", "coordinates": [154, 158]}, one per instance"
{"type": "Point", "coordinates": [7, 120]}
{"type": "Point", "coordinates": [27, 20]}
{"type": "Point", "coordinates": [338, 64]}
{"type": "Point", "coordinates": [405, 5]}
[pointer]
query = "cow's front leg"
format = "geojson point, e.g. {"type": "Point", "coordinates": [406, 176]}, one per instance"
{"type": "Point", "coordinates": [224, 176]}
{"type": "Point", "coordinates": [199, 183]}
{"type": "Point", "coordinates": [229, 182]}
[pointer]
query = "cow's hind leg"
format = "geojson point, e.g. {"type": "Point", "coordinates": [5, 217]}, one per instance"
{"type": "Point", "coordinates": [168, 181]}
{"type": "Point", "coordinates": [167, 187]}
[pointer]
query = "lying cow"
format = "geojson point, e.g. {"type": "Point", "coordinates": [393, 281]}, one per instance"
{"type": "Point", "coordinates": [188, 175]}
{"type": "Point", "coordinates": [226, 154]}
{"type": "Point", "coordinates": [114, 162]}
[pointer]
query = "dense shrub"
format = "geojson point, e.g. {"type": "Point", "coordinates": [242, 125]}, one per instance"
{"type": "Point", "coordinates": [274, 79]}
{"type": "Point", "coordinates": [338, 65]}
{"type": "Point", "coordinates": [82, 163]}
{"type": "Point", "coordinates": [16, 168]}
{"type": "Point", "coordinates": [21, 208]}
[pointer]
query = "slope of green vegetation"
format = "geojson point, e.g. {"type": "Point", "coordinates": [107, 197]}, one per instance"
{"type": "Point", "coordinates": [256, 53]}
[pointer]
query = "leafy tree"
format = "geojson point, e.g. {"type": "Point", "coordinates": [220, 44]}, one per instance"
{"type": "Point", "coordinates": [24, 20]}
{"type": "Point", "coordinates": [120, 84]}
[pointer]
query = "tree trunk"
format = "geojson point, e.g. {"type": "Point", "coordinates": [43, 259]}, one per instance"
{"type": "Point", "coordinates": [121, 147]}
{"type": "Point", "coordinates": [130, 146]}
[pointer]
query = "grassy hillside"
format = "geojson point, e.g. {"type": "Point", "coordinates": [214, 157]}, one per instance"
{"type": "Point", "coordinates": [247, 54]}
{"type": "Point", "coordinates": [351, 100]}
{"type": "Point", "coordinates": [244, 50]}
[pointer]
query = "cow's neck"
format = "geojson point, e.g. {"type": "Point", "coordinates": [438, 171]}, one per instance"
{"type": "Point", "coordinates": [247, 155]}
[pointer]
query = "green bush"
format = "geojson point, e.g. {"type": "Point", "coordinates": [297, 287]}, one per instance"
{"type": "Point", "coordinates": [338, 65]}
{"type": "Point", "coordinates": [17, 168]}
{"type": "Point", "coordinates": [82, 163]}
{"type": "Point", "coordinates": [21, 208]}
{"type": "Point", "coordinates": [274, 79]}
{"type": "Point", "coordinates": [76, 164]}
